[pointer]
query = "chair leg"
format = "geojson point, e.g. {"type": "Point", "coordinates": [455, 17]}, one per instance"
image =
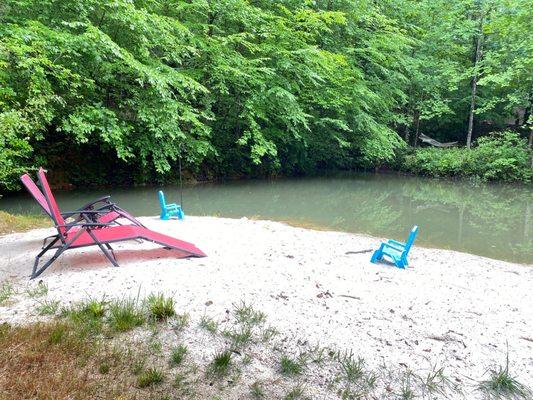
{"type": "Point", "coordinates": [36, 272]}
{"type": "Point", "coordinates": [111, 251]}
{"type": "Point", "coordinates": [41, 253]}
{"type": "Point", "coordinates": [59, 251]}
{"type": "Point", "coordinates": [376, 256]}
{"type": "Point", "coordinates": [399, 263]}
{"type": "Point", "coordinates": [102, 247]}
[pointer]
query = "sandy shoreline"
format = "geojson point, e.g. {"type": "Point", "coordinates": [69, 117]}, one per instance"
{"type": "Point", "coordinates": [448, 308]}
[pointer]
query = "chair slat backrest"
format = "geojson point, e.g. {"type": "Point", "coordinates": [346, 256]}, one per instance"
{"type": "Point", "coordinates": [35, 192]}
{"type": "Point", "coordinates": [52, 204]}
{"type": "Point", "coordinates": [411, 238]}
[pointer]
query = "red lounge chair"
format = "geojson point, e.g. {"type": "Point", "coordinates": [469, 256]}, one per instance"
{"type": "Point", "coordinates": [89, 233]}
{"type": "Point", "coordinates": [107, 212]}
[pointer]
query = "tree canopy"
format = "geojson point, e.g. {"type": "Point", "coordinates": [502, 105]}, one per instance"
{"type": "Point", "coordinates": [253, 87]}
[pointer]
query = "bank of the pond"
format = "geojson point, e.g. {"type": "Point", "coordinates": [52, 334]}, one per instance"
{"type": "Point", "coordinates": [10, 223]}
{"type": "Point", "coordinates": [449, 308]}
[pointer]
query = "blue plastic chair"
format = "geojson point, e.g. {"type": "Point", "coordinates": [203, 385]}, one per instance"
{"type": "Point", "coordinates": [395, 250]}
{"type": "Point", "coordinates": [169, 210]}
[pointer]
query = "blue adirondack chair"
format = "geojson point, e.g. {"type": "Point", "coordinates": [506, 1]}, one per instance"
{"type": "Point", "coordinates": [396, 251]}
{"type": "Point", "coordinates": [169, 210]}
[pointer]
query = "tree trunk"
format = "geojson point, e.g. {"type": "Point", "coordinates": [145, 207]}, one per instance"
{"type": "Point", "coordinates": [477, 56]}
{"type": "Point", "coordinates": [531, 145]}
{"type": "Point", "coordinates": [406, 135]}
{"type": "Point", "coordinates": [416, 123]}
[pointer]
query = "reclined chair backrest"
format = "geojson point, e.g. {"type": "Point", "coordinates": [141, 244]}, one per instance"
{"type": "Point", "coordinates": [36, 193]}
{"type": "Point", "coordinates": [52, 204]}
{"type": "Point", "coordinates": [411, 238]}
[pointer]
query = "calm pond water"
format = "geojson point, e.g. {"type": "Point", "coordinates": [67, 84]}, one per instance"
{"type": "Point", "coordinates": [490, 220]}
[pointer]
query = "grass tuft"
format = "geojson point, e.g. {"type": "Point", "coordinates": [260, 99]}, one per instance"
{"type": "Point", "coordinates": [221, 364]}
{"type": "Point", "coordinates": [40, 290]}
{"type": "Point", "coordinates": [407, 390]}
{"type": "Point", "coordinates": [181, 321]}
{"type": "Point", "coordinates": [58, 334]}
{"type": "Point", "coordinates": [86, 316]}
{"type": "Point", "coordinates": [160, 307]}
{"type": "Point", "coordinates": [295, 393]}
{"type": "Point", "coordinates": [290, 367]}
{"type": "Point", "coordinates": [352, 368]}
{"type": "Point", "coordinates": [48, 307]}
{"type": "Point", "coordinates": [104, 368]}
{"type": "Point", "coordinates": [152, 376]}
{"type": "Point", "coordinates": [124, 315]}
{"type": "Point", "coordinates": [178, 354]}
{"type": "Point", "coordinates": [209, 324]}
{"type": "Point", "coordinates": [239, 337]}
{"type": "Point", "coordinates": [245, 314]}
{"type": "Point", "coordinates": [436, 382]}
{"type": "Point", "coordinates": [137, 365]}
{"type": "Point", "coordinates": [257, 390]}
{"type": "Point", "coordinates": [6, 291]}
{"type": "Point", "coordinates": [269, 334]}
{"type": "Point", "coordinates": [502, 384]}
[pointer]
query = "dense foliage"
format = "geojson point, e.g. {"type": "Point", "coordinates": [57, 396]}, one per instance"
{"type": "Point", "coordinates": [501, 156]}
{"type": "Point", "coordinates": [253, 87]}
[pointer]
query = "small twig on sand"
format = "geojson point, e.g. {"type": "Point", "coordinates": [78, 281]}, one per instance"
{"type": "Point", "coordinates": [359, 251]}
{"type": "Point", "coordinates": [348, 296]}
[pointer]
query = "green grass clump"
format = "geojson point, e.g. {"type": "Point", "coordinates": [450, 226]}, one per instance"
{"type": "Point", "coordinates": [6, 291]}
{"type": "Point", "coordinates": [178, 354]}
{"type": "Point", "coordinates": [181, 321]}
{"type": "Point", "coordinates": [86, 316]}
{"type": "Point", "coordinates": [436, 382]}
{"type": "Point", "coordinates": [407, 391]}
{"type": "Point", "coordinates": [352, 368]}
{"type": "Point", "coordinates": [104, 368]}
{"type": "Point", "coordinates": [245, 314]}
{"type": "Point", "coordinates": [137, 365]}
{"type": "Point", "coordinates": [38, 291]}
{"type": "Point", "coordinates": [221, 364]}
{"type": "Point", "coordinates": [239, 337]}
{"type": "Point", "coordinates": [150, 377]}
{"type": "Point", "coordinates": [257, 391]}
{"type": "Point", "coordinates": [160, 307]}
{"type": "Point", "coordinates": [94, 308]}
{"type": "Point", "coordinates": [90, 309]}
{"type": "Point", "coordinates": [124, 315]}
{"type": "Point", "coordinates": [209, 324]}
{"type": "Point", "coordinates": [58, 334]}
{"type": "Point", "coordinates": [268, 334]}
{"type": "Point", "coordinates": [295, 393]}
{"type": "Point", "coordinates": [48, 307]}
{"type": "Point", "coordinates": [290, 367]}
{"type": "Point", "coordinates": [502, 384]}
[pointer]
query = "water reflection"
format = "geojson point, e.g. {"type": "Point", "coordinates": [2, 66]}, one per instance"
{"type": "Point", "coordinates": [489, 220]}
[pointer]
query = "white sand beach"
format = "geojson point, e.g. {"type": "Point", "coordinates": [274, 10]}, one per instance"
{"type": "Point", "coordinates": [457, 310]}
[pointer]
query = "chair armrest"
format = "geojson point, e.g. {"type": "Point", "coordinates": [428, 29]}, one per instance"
{"type": "Point", "coordinates": [80, 212]}
{"type": "Point", "coordinates": [86, 224]}
{"type": "Point", "coordinates": [103, 199]}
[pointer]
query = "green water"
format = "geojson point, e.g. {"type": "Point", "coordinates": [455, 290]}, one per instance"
{"type": "Point", "coordinates": [490, 220]}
